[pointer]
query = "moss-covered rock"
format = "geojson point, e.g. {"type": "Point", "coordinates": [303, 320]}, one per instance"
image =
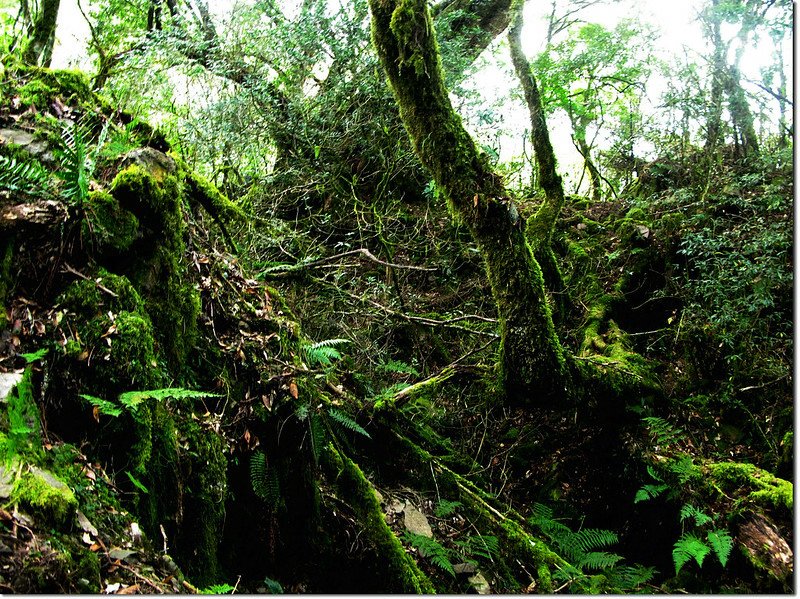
{"type": "Point", "coordinates": [46, 496]}
{"type": "Point", "coordinates": [111, 229]}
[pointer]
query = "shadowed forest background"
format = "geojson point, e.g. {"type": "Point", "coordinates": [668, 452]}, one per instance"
{"type": "Point", "coordinates": [388, 296]}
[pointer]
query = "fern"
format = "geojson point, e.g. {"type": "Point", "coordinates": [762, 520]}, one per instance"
{"type": "Point", "coordinates": [444, 508]}
{"type": "Point", "coordinates": [34, 356]}
{"type": "Point", "coordinates": [78, 160]}
{"type": "Point", "coordinates": [133, 399]}
{"type": "Point", "coordinates": [599, 560]}
{"type": "Point", "coordinates": [689, 547]}
{"type": "Point", "coordinates": [398, 367]}
{"type": "Point", "coordinates": [431, 550]}
{"type": "Point", "coordinates": [649, 492]}
{"type": "Point", "coordinates": [217, 589]}
{"type": "Point", "coordinates": [663, 432]}
{"type": "Point", "coordinates": [264, 480]}
{"type": "Point", "coordinates": [323, 353]}
{"type": "Point", "coordinates": [27, 178]}
{"type": "Point", "coordinates": [700, 517]}
{"type": "Point", "coordinates": [483, 546]}
{"type": "Point", "coordinates": [347, 422]}
{"type": "Point", "coordinates": [318, 434]}
{"type": "Point", "coordinates": [627, 578]}
{"type": "Point", "coordinates": [721, 543]}
{"type": "Point", "coordinates": [103, 406]}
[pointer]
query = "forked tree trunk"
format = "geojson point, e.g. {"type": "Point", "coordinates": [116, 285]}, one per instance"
{"type": "Point", "coordinates": [41, 37]}
{"type": "Point", "coordinates": [533, 366]}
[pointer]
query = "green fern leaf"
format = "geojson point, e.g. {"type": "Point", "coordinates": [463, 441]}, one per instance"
{"type": "Point", "coordinates": [319, 436]}
{"type": "Point", "coordinates": [26, 178]}
{"type": "Point", "coordinates": [444, 508]}
{"type": "Point", "coordinates": [622, 579]}
{"type": "Point", "coordinates": [700, 517]}
{"type": "Point", "coordinates": [133, 399]}
{"type": "Point", "coordinates": [323, 352]}
{"type": "Point", "coordinates": [689, 547]}
{"type": "Point", "coordinates": [648, 492]}
{"type": "Point", "coordinates": [722, 544]}
{"type": "Point", "coordinates": [599, 560]}
{"type": "Point", "coordinates": [398, 367]}
{"type": "Point", "coordinates": [103, 406]}
{"type": "Point", "coordinates": [431, 550]}
{"type": "Point", "coordinates": [662, 431]}
{"type": "Point", "coordinates": [264, 480]}
{"type": "Point", "coordinates": [347, 422]}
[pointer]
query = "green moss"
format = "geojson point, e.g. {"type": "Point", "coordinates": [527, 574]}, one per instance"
{"type": "Point", "coordinates": [203, 467]}
{"type": "Point", "coordinates": [751, 483]}
{"type": "Point", "coordinates": [112, 229]}
{"type": "Point", "coordinates": [44, 85]}
{"type": "Point", "coordinates": [402, 575]}
{"type": "Point", "coordinates": [24, 428]}
{"type": "Point", "coordinates": [160, 274]}
{"type": "Point", "coordinates": [87, 298]}
{"type": "Point", "coordinates": [46, 496]}
{"type": "Point", "coordinates": [209, 197]}
{"type": "Point", "coordinates": [36, 93]}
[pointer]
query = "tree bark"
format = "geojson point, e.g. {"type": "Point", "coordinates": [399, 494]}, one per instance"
{"type": "Point", "coordinates": [41, 37]}
{"type": "Point", "coordinates": [540, 226]}
{"type": "Point", "coordinates": [533, 369]}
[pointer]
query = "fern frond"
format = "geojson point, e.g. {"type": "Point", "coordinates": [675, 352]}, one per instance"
{"type": "Point", "coordinates": [318, 434]}
{"type": "Point", "coordinates": [649, 492]}
{"type": "Point", "coordinates": [347, 422]}
{"type": "Point", "coordinates": [662, 431]}
{"type": "Point", "coordinates": [483, 546]}
{"type": "Point", "coordinates": [700, 517]}
{"type": "Point", "coordinates": [592, 538]}
{"type": "Point", "coordinates": [264, 480]}
{"type": "Point", "coordinates": [103, 406]}
{"type": "Point", "coordinates": [398, 367]}
{"type": "Point", "coordinates": [132, 399]}
{"type": "Point", "coordinates": [444, 508]}
{"type": "Point", "coordinates": [599, 560]}
{"type": "Point", "coordinates": [628, 578]}
{"type": "Point", "coordinates": [27, 178]}
{"type": "Point", "coordinates": [721, 543]}
{"type": "Point", "coordinates": [689, 547]}
{"type": "Point", "coordinates": [431, 550]}
{"type": "Point", "coordinates": [323, 352]}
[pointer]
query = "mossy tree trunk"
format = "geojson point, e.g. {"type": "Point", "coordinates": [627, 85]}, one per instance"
{"type": "Point", "coordinates": [532, 359]}
{"type": "Point", "coordinates": [41, 35]}
{"type": "Point", "coordinates": [540, 226]}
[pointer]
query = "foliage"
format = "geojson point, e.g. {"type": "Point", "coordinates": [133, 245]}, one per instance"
{"type": "Point", "coordinates": [432, 550]}
{"type": "Point", "coordinates": [24, 177]}
{"type": "Point", "coordinates": [218, 589]}
{"type": "Point", "coordinates": [78, 159]}
{"type": "Point", "coordinates": [131, 400]}
{"type": "Point", "coordinates": [323, 353]}
{"type": "Point", "coordinates": [263, 479]}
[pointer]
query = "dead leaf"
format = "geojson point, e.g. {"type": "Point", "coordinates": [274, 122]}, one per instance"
{"type": "Point", "coordinates": [267, 402]}
{"type": "Point", "coordinates": [129, 590]}
{"type": "Point", "coordinates": [475, 201]}
{"type": "Point", "coordinates": [87, 538]}
{"type": "Point", "coordinates": [112, 588]}
{"type": "Point", "coordinates": [293, 389]}
{"type": "Point", "coordinates": [96, 414]}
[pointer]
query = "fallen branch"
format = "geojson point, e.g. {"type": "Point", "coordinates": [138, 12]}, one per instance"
{"type": "Point", "coordinates": [69, 269]}
{"type": "Point", "coordinates": [277, 271]}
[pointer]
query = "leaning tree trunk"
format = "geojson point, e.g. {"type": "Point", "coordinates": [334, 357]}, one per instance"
{"type": "Point", "coordinates": [41, 37]}
{"type": "Point", "coordinates": [741, 116]}
{"type": "Point", "coordinates": [532, 359]}
{"type": "Point", "coordinates": [540, 226]}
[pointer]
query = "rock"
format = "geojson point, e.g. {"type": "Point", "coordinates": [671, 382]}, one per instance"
{"type": "Point", "coordinates": [36, 148]}
{"type": "Point", "coordinates": [416, 522]}
{"type": "Point", "coordinates": [480, 584]}
{"type": "Point", "coordinates": [396, 507]}
{"type": "Point", "coordinates": [8, 380]}
{"type": "Point", "coordinates": [85, 524]}
{"type": "Point", "coordinates": [7, 478]}
{"type": "Point", "coordinates": [766, 548]}
{"type": "Point", "coordinates": [122, 554]}
{"type": "Point", "coordinates": [151, 160]}
{"type": "Point", "coordinates": [465, 568]}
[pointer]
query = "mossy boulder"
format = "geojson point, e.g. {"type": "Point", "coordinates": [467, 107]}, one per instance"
{"type": "Point", "coordinates": [110, 228]}
{"type": "Point", "coordinates": [46, 496]}
{"type": "Point", "coordinates": [751, 484]}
